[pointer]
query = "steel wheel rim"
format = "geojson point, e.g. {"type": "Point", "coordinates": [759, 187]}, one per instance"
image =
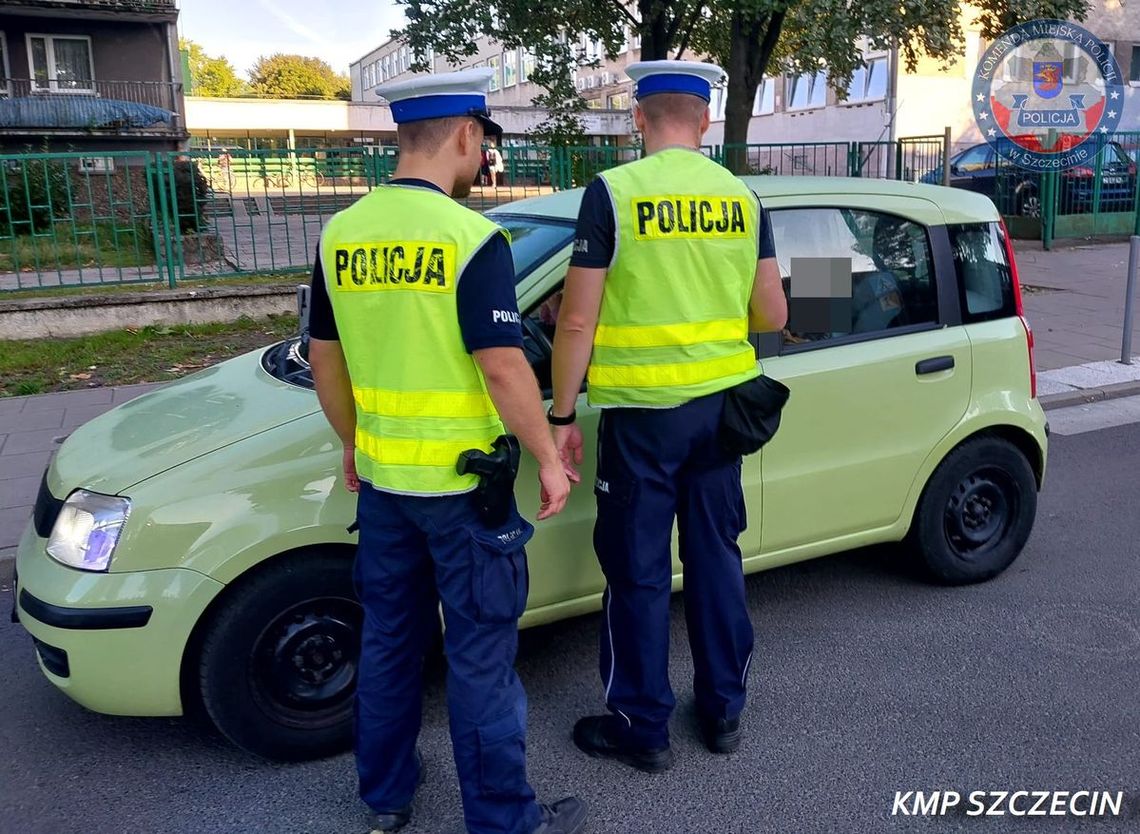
{"type": "Point", "coordinates": [980, 512]}
{"type": "Point", "coordinates": [304, 663]}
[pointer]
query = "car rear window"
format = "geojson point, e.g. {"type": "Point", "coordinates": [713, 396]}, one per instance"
{"type": "Point", "coordinates": [985, 281]}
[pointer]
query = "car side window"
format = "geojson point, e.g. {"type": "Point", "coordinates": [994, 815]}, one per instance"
{"type": "Point", "coordinates": [985, 281]}
{"type": "Point", "coordinates": [852, 273]}
{"type": "Point", "coordinates": [538, 338]}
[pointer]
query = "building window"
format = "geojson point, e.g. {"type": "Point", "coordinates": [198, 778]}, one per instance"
{"type": "Point", "coordinates": [405, 59]}
{"type": "Point", "coordinates": [510, 68]}
{"type": "Point", "coordinates": [765, 103]}
{"type": "Point", "coordinates": [60, 63]}
{"type": "Point", "coordinates": [528, 59]}
{"type": "Point", "coordinates": [496, 79]}
{"type": "Point", "coordinates": [384, 67]}
{"type": "Point", "coordinates": [808, 90]}
{"type": "Point", "coordinates": [635, 40]}
{"type": "Point", "coordinates": [619, 102]}
{"type": "Point", "coordinates": [869, 83]}
{"type": "Point", "coordinates": [624, 46]}
{"type": "Point", "coordinates": [6, 83]}
{"type": "Point", "coordinates": [593, 104]}
{"type": "Point", "coordinates": [1133, 68]}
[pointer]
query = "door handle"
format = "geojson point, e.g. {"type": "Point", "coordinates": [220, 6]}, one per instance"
{"type": "Point", "coordinates": [934, 365]}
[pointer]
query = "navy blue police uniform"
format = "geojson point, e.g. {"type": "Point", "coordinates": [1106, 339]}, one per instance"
{"type": "Point", "coordinates": [415, 553]}
{"type": "Point", "coordinates": [646, 483]}
{"type": "Point", "coordinates": [656, 464]}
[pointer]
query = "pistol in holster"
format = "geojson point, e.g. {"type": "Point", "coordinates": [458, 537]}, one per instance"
{"type": "Point", "coordinates": [496, 470]}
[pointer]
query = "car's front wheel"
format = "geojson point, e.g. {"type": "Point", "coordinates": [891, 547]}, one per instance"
{"type": "Point", "coordinates": [277, 667]}
{"type": "Point", "coordinates": [976, 512]}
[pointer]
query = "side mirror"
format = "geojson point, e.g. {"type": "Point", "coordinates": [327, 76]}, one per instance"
{"type": "Point", "coordinates": [303, 304]}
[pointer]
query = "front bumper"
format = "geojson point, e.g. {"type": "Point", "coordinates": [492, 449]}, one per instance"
{"type": "Point", "coordinates": [113, 642]}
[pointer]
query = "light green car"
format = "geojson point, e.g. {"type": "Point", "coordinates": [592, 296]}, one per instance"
{"type": "Point", "coordinates": [190, 548]}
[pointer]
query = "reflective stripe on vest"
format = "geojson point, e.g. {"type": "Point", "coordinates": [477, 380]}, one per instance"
{"type": "Point", "coordinates": [673, 323]}
{"type": "Point", "coordinates": [392, 263]}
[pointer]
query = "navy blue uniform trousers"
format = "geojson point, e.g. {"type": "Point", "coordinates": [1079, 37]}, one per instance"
{"type": "Point", "coordinates": [655, 465]}
{"type": "Point", "coordinates": [416, 552]}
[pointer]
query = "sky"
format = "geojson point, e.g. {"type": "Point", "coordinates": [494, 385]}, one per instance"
{"type": "Point", "coordinates": [243, 30]}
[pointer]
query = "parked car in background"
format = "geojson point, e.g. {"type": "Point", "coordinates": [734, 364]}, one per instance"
{"type": "Point", "coordinates": [190, 548]}
{"type": "Point", "coordinates": [1017, 191]}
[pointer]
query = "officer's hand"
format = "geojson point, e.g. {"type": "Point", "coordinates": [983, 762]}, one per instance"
{"type": "Point", "coordinates": [351, 481]}
{"type": "Point", "coordinates": [569, 442]}
{"type": "Point", "coordinates": [554, 489]}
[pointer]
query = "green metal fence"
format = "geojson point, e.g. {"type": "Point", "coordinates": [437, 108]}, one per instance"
{"type": "Point", "coordinates": [73, 219]}
{"type": "Point", "coordinates": [1098, 197]}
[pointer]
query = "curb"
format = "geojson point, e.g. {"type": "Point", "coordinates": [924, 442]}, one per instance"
{"type": "Point", "coordinates": [1084, 396]}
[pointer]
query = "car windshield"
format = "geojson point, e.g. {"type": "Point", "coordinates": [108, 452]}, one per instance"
{"type": "Point", "coordinates": [534, 240]}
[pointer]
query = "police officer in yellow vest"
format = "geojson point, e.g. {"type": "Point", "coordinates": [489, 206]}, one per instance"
{"type": "Point", "coordinates": [416, 355]}
{"type": "Point", "coordinates": [672, 266]}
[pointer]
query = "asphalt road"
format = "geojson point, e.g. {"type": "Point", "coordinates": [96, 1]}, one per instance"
{"type": "Point", "coordinates": [866, 682]}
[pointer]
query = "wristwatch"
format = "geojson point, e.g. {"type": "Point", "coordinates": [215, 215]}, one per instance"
{"type": "Point", "coordinates": [560, 421]}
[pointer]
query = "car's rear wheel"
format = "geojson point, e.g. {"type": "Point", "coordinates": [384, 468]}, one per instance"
{"type": "Point", "coordinates": [976, 512]}
{"type": "Point", "coordinates": [277, 668]}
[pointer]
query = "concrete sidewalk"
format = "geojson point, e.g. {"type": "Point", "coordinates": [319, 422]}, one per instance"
{"type": "Point", "coordinates": [1075, 301]}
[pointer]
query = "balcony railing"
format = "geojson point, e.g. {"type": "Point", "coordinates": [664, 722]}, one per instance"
{"type": "Point", "coordinates": [90, 105]}
{"type": "Point", "coordinates": [141, 6]}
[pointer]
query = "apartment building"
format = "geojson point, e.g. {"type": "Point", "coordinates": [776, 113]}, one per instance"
{"type": "Point", "coordinates": [885, 100]}
{"type": "Point", "coordinates": [604, 87]}
{"type": "Point", "coordinates": [90, 74]}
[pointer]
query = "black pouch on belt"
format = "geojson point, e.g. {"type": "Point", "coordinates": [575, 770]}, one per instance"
{"type": "Point", "coordinates": [751, 415]}
{"type": "Point", "coordinates": [496, 471]}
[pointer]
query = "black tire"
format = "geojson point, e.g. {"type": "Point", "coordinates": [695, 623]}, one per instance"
{"type": "Point", "coordinates": [976, 512]}
{"type": "Point", "coordinates": [277, 668]}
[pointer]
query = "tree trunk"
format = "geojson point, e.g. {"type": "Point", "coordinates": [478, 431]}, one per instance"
{"type": "Point", "coordinates": [753, 41]}
{"type": "Point", "coordinates": [654, 31]}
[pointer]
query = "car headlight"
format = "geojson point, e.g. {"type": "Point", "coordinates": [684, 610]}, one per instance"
{"type": "Point", "coordinates": [87, 530]}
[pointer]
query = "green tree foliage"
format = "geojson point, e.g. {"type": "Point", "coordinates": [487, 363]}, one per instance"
{"type": "Point", "coordinates": [754, 38]}
{"type": "Point", "coordinates": [749, 38]}
{"type": "Point", "coordinates": [297, 76]}
{"type": "Point", "coordinates": [210, 76]}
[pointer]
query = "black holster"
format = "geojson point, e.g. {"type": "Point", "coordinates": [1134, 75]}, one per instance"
{"type": "Point", "coordinates": [497, 471]}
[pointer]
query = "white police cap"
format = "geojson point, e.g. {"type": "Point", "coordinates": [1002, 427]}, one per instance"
{"type": "Point", "coordinates": [430, 96]}
{"type": "Point", "coordinates": [691, 77]}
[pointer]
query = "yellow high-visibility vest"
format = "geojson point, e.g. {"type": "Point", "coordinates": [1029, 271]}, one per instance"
{"type": "Point", "coordinates": [673, 324]}
{"type": "Point", "coordinates": [392, 263]}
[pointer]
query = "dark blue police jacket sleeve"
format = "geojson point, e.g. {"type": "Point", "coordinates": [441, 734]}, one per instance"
{"type": "Point", "coordinates": [322, 325]}
{"type": "Point", "coordinates": [487, 306]}
{"type": "Point", "coordinates": [597, 228]}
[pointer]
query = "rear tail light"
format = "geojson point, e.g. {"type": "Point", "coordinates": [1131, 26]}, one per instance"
{"type": "Point", "coordinates": [1080, 171]}
{"type": "Point", "coordinates": [1019, 306]}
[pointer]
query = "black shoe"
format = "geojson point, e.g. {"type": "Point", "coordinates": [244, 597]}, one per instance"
{"type": "Point", "coordinates": [594, 736]}
{"type": "Point", "coordinates": [566, 816]}
{"type": "Point", "coordinates": [722, 735]}
{"type": "Point", "coordinates": [395, 820]}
